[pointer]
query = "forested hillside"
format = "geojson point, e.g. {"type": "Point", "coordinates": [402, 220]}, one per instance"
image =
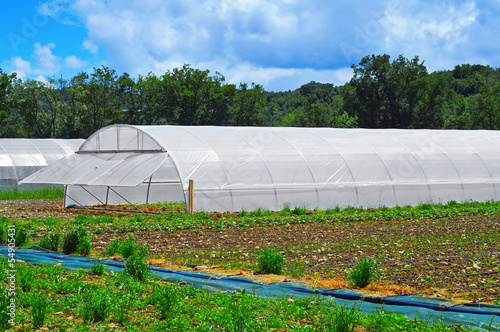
{"type": "Point", "coordinates": [383, 93]}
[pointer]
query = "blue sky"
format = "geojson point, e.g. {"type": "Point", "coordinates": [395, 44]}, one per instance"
{"type": "Point", "coordinates": [280, 44]}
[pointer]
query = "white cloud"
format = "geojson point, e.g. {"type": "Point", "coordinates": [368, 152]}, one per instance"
{"type": "Point", "coordinates": [91, 47]}
{"type": "Point", "coordinates": [43, 63]}
{"type": "Point", "coordinates": [20, 66]}
{"type": "Point", "coordinates": [47, 63]}
{"type": "Point", "coordinates": [73, 62]}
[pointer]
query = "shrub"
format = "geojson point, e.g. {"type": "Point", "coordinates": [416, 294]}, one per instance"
{"type": "Point", "coordinates": [39, 309]}
{"type": "Point", "coordinates": [77, 240]}
{"type": "Point", "coordinates": [51, 241]}
{"type": "Point", "coordinates": [95, 306]}
{"type": "Point", "coordinates": [270, 262]}
{"type": "Point", "coordinates": [364, 272]}
{"type": "Point", "coordinates": [25, 276]}
{"type": "Point", "coordinates": [165, 297]}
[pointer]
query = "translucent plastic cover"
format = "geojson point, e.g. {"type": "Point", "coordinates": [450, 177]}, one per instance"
{"type": "Point", "coordinates": [21, 157]}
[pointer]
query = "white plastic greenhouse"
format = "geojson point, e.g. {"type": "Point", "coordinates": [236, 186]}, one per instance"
{"type": "Point", "coordinates": [235, 168]}
{"type": "Point", "coordinates": [21, 157]}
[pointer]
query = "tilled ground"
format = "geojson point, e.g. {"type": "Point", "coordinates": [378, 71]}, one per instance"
{"type": "Point", "coordinates": [452, 258]}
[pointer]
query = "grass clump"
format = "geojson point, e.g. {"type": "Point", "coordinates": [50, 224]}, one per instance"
{"type": "Point", "coordinates": [342, 319]}
{"type": "Point", "coordinates": [137, 267]}
{"type": "Point", "coordinates": [165, 297]}
{"type": "Point", "coordinates": [95, 306]}
{"type": "Point", "coordinates": [51, 241]}
{"type": "Point", "coordinates": [77, 240]}
{"type": "Point", "coordinates": [365, 271]}
{"type": "Point", "coordinates": [270, 262]}
{"type": "Point", "coordinates": [98, 269]}
{"type": "Point", "coordinates": [39, 309]}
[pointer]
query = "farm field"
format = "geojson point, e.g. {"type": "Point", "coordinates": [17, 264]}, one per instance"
{"type": "Point", "coordinates": [444, 251]}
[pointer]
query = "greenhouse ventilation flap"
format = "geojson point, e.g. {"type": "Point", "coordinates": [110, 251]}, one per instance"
{"type": "Point", "coordinates": [235, 168]}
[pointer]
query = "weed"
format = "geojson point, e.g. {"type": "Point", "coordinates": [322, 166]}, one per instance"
{"type": "Point", "coordinates": [137, 267]}
{"type": "Point", "coordinates": [51, 241]}
{"type": "Point", "coordinates": [95, 306]}
{"type": "Point", "coordinates": [299, 211]}
{"type": "Point", "coordinates": [342, 319]}
{"type": "Point", "coordinates": [21, 235]}
{"type": "Point", "coordinates": [165, 297]}
{"type": "Point", "coordinates": [270, 262]}
{"type": "Point", "coordinates": [77, 240]}
{"type": "Point", "coordinates": [98, 269]}
{"type": "Point", "coordinates": [4, 308]}
{"type": "Point", "coordinates": [297, 270]}
{"type": "Point", "coordinates": [39, 309]}
{"type": "Point", "coordinates": [125, 248]}
{"type": "Point", "coordinates": [25, 277]}
{"type": "Point", "coordinates": [3, 234]}
{"type": "Point", "coordinates": [364, 272]}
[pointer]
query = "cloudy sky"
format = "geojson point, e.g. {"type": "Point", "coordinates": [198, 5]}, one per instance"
{"type": "Point", "coordinates": [280, 44]}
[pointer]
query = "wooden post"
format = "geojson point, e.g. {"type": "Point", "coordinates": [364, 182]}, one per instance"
{"type": "Point", "coordinates": [190, 208]}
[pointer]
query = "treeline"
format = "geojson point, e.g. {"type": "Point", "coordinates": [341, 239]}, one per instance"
{"type": "Point", "coordinates": [382, 93]}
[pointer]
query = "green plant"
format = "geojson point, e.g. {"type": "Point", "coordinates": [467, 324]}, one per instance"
{"type": "Point", "coordinates": [342, 319]}
{"type": "Point", "coordinates": [4, 308]}
{"type": "Point", "coordinates": [95, 305]}
{"type": "Point", "coordinates": [98, 269]}
{"type": "Point", "coordinates": [77, 240]}
{"type": "Point", "coordinates": [3, 234]}
{"type": "Point", "coordinates": [364, 272]}
{"type": "Point", "coordinates": [137, 267]}
{"type": "Point", "coordinates": [51, 240]}
{"type": "Point", "coordinates": [125, 248]}
{"type": "Point", "coordinates": [165, 297]}
{"type": "Point", "coordinates": [39, 309]}
{"type": "Point", "coordinates": [25, 276]}
{"type": "Point", "coordinates": [270, 262]}
{"type": "Point", "coordinates": [21, 235]}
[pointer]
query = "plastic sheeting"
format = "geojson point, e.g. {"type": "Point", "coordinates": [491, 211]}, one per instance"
{"type": "Point", "coordinates": [21, 157]}
{"type": "Point", "coordinates": [235, 168]}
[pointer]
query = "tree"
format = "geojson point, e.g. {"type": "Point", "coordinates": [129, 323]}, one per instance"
{"type": "Point", "coordinates": [196, 98]}
{"type": "Point", "coordinates": [5, 103]}
{"type": "Point", "coordinates": [385, 93]}
{"type": "Point", "coordinates": [246, 106]}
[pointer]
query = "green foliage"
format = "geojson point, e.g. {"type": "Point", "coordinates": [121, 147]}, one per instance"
{"type": "Point", "coordinates": [77, 240]}
{"type": "Point", "coordinates": [136, 266]}
{"type": "Point", "coordinates": [4, 310]}
{"type": "Point", "coordinates": [51, 240]}
{"type": "Point", "coordinates": [21, 236]}
{"type": "Point", "coordinates": [364, 272]}
{"type": "Point", "coordinates": [95, 305]}
{"type": "Point", "coordinates": [270, 262]}
{"type": "Point", "coordinates": [25, 276]}
{"type": "Point", "coordinates": [31, 194]}
{"type": "Point", "coordinates": [98, 269]}
{"type": "Point", "coordinates": [125, 247]}
{"type": "Point", "coordinates": [165, 297]}
{"type": "Point", "coordinates": [3, 233]}
{"type": "Point", "coordinates": [39, 309]}
{"type": "Point", "coordinates": [342, 319]}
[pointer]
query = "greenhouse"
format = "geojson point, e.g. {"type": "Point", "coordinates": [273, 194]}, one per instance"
{"type": "Point", "coordinates": [20, 157]}
{"type": "Point", "coordinates": [236, 168]}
